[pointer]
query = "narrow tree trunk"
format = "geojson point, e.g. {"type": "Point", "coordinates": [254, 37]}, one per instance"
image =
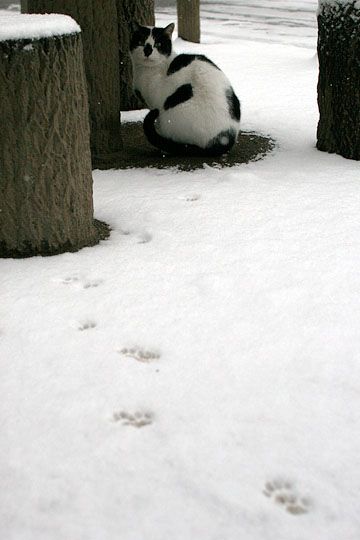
{"type": "Point", "coordinates": [189, 20]}
{"type": "Point", "coordinates": [339, 77]}
{"type": "Point", "coordinates": [45, 164]}
{"type": "Point", "coordinates": [141, 11]}
{"type": "Point", "coordinates": [98, 21]}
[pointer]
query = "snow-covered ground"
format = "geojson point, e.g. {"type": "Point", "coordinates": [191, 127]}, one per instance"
{"type": "Point", "coordinates": [197, 376]}
{"type": "Point", "coordinates": [283, 21]}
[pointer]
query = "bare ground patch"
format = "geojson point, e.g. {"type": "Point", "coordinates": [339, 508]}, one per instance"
{"type": "Point", "coordinates": [138, 152]}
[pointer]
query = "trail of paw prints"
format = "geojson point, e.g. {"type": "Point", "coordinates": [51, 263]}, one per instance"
{"type": "Point", "coordinates": [138, 419]}
{"type": "Point", "coordinates": [284, 493]}
{"type": "Point", "coordinates": [140, 355]}
{"type": "Point", "coordinates": [81, 283]}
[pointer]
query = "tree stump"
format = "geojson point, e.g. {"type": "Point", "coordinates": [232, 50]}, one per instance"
{"type": "Point", "coordinates": [189, 20]}
{"type": "Point", "coordinates": [339, 77]}
{"type": "Point", "coordinates": [46, 204]}
{"type": "Point", "coordinates": [99, 28]}
{"type": "Point", "coordinates": [141, 11]}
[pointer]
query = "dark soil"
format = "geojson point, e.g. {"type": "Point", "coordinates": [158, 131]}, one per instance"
{"type": "Point", "coordinates": [138, 152]}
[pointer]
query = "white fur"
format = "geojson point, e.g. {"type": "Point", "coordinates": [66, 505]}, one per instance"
{"type": "Point", "coordinates": [195, 121]}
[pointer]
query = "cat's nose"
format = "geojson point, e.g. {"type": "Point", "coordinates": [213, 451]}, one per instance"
{"type": "Point", "coordinates": [148, 49]}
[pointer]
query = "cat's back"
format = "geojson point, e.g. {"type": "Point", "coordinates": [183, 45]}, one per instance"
{"type": "Point", "coordinates": [196, 68]}
{"type": "Point", "coordinates": [182, 61]}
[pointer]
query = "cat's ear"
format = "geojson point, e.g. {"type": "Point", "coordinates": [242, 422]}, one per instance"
{"type": "Point", "coordinates": [169, 30]}
{"type": "Point", "coordinates": [134, 27]}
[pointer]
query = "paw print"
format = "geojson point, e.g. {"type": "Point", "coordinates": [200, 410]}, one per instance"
{"type": "Point", "coordinates": [140, 355]}
{"type": "Point", "coordinates": [144, 238]}
{"type": "Point", "coordinates": [70, 280]}
{"type": "Point", "coordinates": [191, 197]}
{"type": "Point", "coordinates": [92, 283]}
{"type": "Point", "coordinates": [87, 325]}
{"type": "Point", "coordinates": [79, 282]}
{"type": "Point", "coordinates": [283, 493]}
{"type": "Point", "coordinates": [138, 419]}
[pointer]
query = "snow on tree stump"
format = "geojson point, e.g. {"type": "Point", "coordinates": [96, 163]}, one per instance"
{"type": "Point", "coordinates": [99, 28]}
{"type": "Point", "coordinates": [46, 204]}
{"type": "Point", "coordinates": [339, 77]}
{"type": "Point", "coordinates": [188, 12]}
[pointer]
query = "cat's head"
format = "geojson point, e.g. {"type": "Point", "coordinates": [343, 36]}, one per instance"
{"type": "Point", "coordinates": [150, 45]}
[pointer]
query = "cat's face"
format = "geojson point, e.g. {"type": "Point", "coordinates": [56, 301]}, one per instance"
{"type": "Point", "coordinates": [150, 45]}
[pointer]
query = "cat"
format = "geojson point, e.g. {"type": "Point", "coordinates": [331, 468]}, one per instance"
{"type": "Point", "coordinates": [193, 107]}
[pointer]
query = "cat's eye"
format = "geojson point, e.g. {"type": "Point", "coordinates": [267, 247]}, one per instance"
{"type": "Point", "coordinates": [157, 45]}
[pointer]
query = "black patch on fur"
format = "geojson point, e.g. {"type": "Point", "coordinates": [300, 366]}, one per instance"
{"type": "Point", "coordinates": [233, 104]}
{"type": "Point", "coordinates": [148, 49]}
{"type": "Point", "coordinates": [182, 94]}
{"type": "Point", "coordinates": [183, 60]}
{"type": "Point", "coordinates": [138, 38]}
{"type": "Point", "coordinates": [162, 41]}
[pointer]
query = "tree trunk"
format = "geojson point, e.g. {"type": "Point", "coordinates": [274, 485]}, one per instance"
{"type": "Point", "coordinates": [101, 54]}
{"type": "Point", "coordinates": [189, 20]}
{"type": "Point", "coordinates": [339, 78]}
{"type": "Point", "coordinates": [141, 11]}
{"type": "Point", "coordinates": [45, 165]}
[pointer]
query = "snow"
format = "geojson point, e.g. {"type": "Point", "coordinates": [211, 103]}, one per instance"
{"type": "Point", "coordinates": [27, 26]}
{"type": "Point", "coordinates": [197, 376]}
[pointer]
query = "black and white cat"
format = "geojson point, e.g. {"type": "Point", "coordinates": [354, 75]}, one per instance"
{"type": "Point", "coordinates": [195, 108]}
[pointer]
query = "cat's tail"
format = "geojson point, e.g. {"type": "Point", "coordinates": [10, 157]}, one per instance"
{"type": "Point", "coordinates": [218, 146]}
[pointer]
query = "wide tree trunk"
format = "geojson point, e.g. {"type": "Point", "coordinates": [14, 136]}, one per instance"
{"type": "Point", "coordinates": [98, 21]}
{"type": "Point", "coordinates": [339, 77]}
{"type": "Point", "coordinates": [189, 20]}
{"type": "Point", "coordinates": [141, 11]}
{"type": "Point", "coordinates": [46, 204]}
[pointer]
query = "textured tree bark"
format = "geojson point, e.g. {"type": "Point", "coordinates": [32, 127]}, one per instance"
{"type": "Point", "coordinates": [189, 20]}
{"type": "Point", "coordinates": [101, 54]}
{"type": "Point", "coordinates": [45, 164]}
{"type": "Point", "coordinates": [339, 78]}
{"type": "Point", "coordinates": [141, 11]}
